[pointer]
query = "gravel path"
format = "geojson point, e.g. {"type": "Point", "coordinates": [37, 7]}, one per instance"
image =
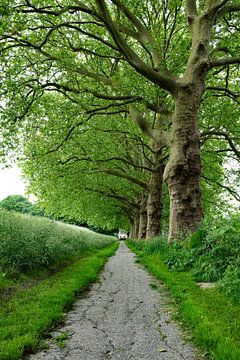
{"type": "Point", "coordinates": [120, 318]}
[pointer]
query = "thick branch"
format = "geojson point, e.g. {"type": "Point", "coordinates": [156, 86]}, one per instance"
{"type": "Point", "coordinates": [130, 178]}
{"type": "Point", "coordinates": [228, 9]}
{"type": "Point", "coordinates": [144, 35]}
{"type": "Point", "coordinates": [165, 79]}
{"type": "Point", "coordinates": [224, 62]}
{"type": "Point", "coordinates": [190, 8]}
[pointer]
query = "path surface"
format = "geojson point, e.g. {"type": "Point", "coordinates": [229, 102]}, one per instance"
{"type": "Point", "coordinates": [120, 318]}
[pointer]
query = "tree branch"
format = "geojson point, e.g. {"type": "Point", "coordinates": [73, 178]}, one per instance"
{"type": "Point", "coordinates": [228, 9]}
{"type": "Point", "coordinates": [191, 8]}
{"type": "Point", "coordinates": [121, 198]}
{"type": "Point", "coordinates": [130, 178]}
{"type": "Point", "coordinates": [224, 62]}
{"type": "Point", "coordinates": [231, 191]}
{"type": "Point", "coordinates": [163, 78]}
{"type": "Point", "coordinates": [226, 136]}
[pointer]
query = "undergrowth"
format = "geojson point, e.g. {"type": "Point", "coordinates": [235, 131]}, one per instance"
{"type": "Point", "coordinates": [212, 317]}
{"type": "Point", "coordinates": [212, 254]}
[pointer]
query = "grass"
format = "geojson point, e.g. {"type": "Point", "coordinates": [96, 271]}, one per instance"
{"type": "Point", "coordinates": [61, 339]}
{"type": "Point", "coordinates": [30, 244]}
{"type": "Point", "coordinates": [214, 320]}
{"type": "Point", "coordinates": [31, 313]}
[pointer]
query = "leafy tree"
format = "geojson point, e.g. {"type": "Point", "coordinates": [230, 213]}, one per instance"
{"type": "Point", "coordinates": [21, 204]}
{"type": "Point", "coordinates": [101, 162]}
{"type": "Point", "coordinates": [169, 53]}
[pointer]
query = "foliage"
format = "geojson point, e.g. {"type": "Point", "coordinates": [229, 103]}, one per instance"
{"type": "Point", "coordinates": [214, 320]}
{"type": "Point", "coordinates": [70, 52]}
{"type": "Point", "coordinates": [94, 175]}
{"type": "Point", "coordinates": [212, 253]}
{"type": "Point", "coordinates": [32, 312]}
{"type": "Point", "coordinates": [230, 282]}
{"type": "Point", "coordinates": [21, 204]}
{"type": "Point", "coordinates": [32, 243]}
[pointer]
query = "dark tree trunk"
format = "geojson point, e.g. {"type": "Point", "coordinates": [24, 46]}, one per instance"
{"type": "Point", "coordinates": [143, 219]}
{"type": "Point", "coordinates": [135, 228]}
{"type": "Point", "coordinates": [154, 203]}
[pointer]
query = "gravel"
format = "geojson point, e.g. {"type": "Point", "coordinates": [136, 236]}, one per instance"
{"type": "Point", "coordinates": [122, 317]}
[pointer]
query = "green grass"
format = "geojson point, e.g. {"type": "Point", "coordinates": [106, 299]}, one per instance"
{"type": "Point", "coordinates": [214, 320]}
{"type": "Point", "coordinates": [61, 339]}
{"type": "Point", "coordinates": [29, 314]}
{"type": "Point", "coordinates": [29, 244]}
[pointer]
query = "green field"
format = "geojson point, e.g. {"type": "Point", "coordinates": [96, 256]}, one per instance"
{"type": "Point", "coordinates": [44, 265]}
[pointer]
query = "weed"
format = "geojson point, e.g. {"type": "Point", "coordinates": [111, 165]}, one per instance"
{"type": "Point", "coordinates": [153, 286]}
{"type": "Point", "coordinates": [61, 339]}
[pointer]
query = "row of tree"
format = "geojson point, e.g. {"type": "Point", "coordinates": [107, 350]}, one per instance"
{"type": "Point", "coordinates": [110, 100]}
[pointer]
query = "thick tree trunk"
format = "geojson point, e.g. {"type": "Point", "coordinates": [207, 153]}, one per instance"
{"type": "Point", "coordinates": [154, 203]}
{"type": "Point", "coordinates": [135, 229]}
{"type": "Point", "coordinates": [182, 172]}
{"type": "Point", "coordinates": [143, 219]}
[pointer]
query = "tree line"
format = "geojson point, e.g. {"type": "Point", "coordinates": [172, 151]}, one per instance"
{"type": "Point", "coordinates": [110, 101]}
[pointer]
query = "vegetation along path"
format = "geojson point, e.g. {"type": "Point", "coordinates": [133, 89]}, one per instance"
{"type": "Point", "coordinates": [121, 317]}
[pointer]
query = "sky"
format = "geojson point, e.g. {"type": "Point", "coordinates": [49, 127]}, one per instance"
{"type": "Point", "coordinates": [11, 182]}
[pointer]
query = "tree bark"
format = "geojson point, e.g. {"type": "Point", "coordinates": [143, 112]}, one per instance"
{"type": "Point", "coordinates": [154, 203]}
{"type": "Point", "coordinates": [143, 219]}
{"type": "Point", "coordinates": [183, 169]}
{"type": "Point", "coordinates": [135, 228]}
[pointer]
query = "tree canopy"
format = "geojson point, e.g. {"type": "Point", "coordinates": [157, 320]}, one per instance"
{"type": "Point", "coordinates": [169, 67]}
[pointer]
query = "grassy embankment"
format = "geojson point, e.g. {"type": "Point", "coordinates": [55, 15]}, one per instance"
{"type": "Point", "coordinates": [30, 247]}
{"type": "Point", "coordinates": [212, 318]}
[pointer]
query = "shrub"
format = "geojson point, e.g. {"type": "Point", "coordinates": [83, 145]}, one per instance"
{"type": "Point", "coordinates": [212, 253]}
{"type": "Point", "coordinates": [230, 282]}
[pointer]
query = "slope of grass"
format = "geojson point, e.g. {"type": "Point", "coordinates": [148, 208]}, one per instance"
{"type": "Point", "coordinates": [31, 313]}
{"type": "Point", "coordinates": [213, 318]}
{"type": "Point", "coordinates": [29, 244]}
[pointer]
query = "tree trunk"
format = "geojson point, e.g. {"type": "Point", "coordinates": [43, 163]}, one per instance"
{"type": "Point", "coordinates": [143, 218]}
{"type": "Point", "coordinates": [135, 229]}
{"type": "Point", "coordinates": [182, 172]}
{"type": "Point", "coordinates": [154, 203]}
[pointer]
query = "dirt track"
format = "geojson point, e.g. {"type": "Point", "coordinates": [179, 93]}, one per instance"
{"type": "Point", "coordinates": [120, 318]}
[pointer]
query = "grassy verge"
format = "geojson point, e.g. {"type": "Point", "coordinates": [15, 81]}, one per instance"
{"type": "Point", "coordinates": [30, 313]}
{"type": "Point", "coordinates": [214, 320]}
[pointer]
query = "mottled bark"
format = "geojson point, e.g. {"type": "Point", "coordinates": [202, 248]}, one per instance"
{"type": "Point", "coordinates": [135, 228]}
{"type": "Point", "coordinates": [154, 203]}
{"type": "Point", "coordinates": [143, 218]}
{"type": "Point", "coordinates": [182, 172]}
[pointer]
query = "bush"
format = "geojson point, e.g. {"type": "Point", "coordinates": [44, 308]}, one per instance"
{"type": "Point", "coordinates": [212, 253]}
{"type": "Point", "coordinates": [33, 243]}
{"type": "Point", "coordinates": [230, 282]}
{"type": "Point", "coordinates": [20, 204]}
